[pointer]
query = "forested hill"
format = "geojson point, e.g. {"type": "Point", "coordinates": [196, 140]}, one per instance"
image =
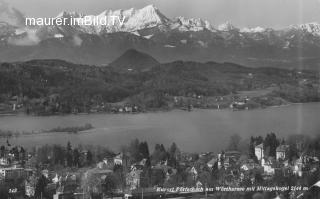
{"type": "Point", "coordinates": [55, 86]}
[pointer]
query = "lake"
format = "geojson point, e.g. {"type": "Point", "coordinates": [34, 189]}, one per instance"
{"type": "Point", "coordinates": [196, 131]}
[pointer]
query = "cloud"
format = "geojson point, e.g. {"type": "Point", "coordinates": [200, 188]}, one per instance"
{"type": "Point", "coordinates": [77, 41]}
{"type": "Point", "coordinates": [28, 38]}
{"type": "Point", "coordinates": [25, 36]}
{"type": "Point", "coordinates": [11, 15]}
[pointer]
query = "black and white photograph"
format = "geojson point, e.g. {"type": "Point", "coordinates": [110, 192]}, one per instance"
{"type": "Point", "coordinates": [152, 99]}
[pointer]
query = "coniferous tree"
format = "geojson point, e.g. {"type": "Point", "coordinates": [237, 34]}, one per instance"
{"type": "Point", "coordinates": [89, 157]}
{"type": "Point", "coordinates": [69, 154]}
{"type": "Point", "coordinates": [76, 158]}
{"type": "Point", "coordinates": [270, 144]}
{"type": "Point", "coordinates": [40, 186]}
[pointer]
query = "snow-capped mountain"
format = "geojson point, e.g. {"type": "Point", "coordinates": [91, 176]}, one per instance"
{"type": "Point", "coordinates": [227, 27]}
{"type": "Point", "coordinates": [312, 28]}
{"type": "Point", "coordinates": [146, 17]}
{"type": "Point", "coordinates": [149, 30]}
{"type": "Point", "coordinates": [137, 20]}
{"type": "Point", "coordinates": [184, 24]}
{"type": "Point", "coordinates": [253, 30]}
{"type": "Point", "coordinates": [10, 15]}
{"type": "Point", "coordinates": [128, 20]}
{"type": "Point", "coordinates": [132, 19]}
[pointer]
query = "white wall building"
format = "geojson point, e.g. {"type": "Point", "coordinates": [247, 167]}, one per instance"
{"type": "Point", "coordinates": [258, 151]}
{"type": "Point", "coordinates": [12, 173]}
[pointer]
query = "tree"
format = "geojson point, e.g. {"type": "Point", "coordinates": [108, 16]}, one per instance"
{"type": "Point", "coordinates": [2, 151]}
{"type": "Point", "coordinates": [159, 154]}
{"type": "Point", "coordinates": [174, 153]}
{"type": "Point", "coordinates": [119, 175]}
{"type": "Point", "coordinates": [22, 153]}
{"type": "Point", "coordinates": [157, 177]}
{"type": "Point", "coordinates": [69, 155]}
{"type": "Point", "coordinates": [234, 142]}
{"type": "Point", "coordinates": [89, 157]}
{"type": "Point", "coordinates": [251, 148]}
{"type": "Point", "coordinates": [109, 184]}
{"type": "Point", "coordinates": [134, 151]}
{"type": "Point", "coordinates": [40, 186]}
{"type": "Point", "coordinates": [69, 147]}
{"type": "Point", "coordinates": [270, 144]}
{"type": "Point", "coordinates": [43, 154]}
{"type": "Point", "coordinates": [76, 158]}
{"type": "Point", "coordinates": [144, 150]}
{"type": "Point", "coordinates": [58, 155]}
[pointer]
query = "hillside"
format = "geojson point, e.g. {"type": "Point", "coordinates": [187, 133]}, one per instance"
{"type": "Point", "coordinates": [133, 60]}
{"type": "Point", "coordinates": [54, 86]}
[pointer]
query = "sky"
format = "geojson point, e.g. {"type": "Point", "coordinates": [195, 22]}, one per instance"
{"type": "Point", "coordinates": [241, 13]}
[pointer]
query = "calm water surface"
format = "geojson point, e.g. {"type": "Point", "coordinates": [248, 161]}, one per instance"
{"type": "Point", "coordinates": [199, 130]}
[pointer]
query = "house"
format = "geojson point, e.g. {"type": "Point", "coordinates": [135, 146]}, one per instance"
{"type": "Point", "coordinates": [30, 186]}
{"type": "Point", "coordinates": [56, 179]}
{"type": "Point", "coordinates": [12, 173]}
{"type": "Point", "coordinates": [297, 167]}
{"type": "Point", "coordinates": [101, 165]}
{"type": "Point", "coordinates": [199, 185]}
{"type": "Point", "coordinates": [269, 165]}
{"type": "Point", "coordinates": [212, 162]}
{"type": "Point", "coordinates": [121, 159]}
{"type": "Point", "coordinates": [232, 154]}
{"type": "Point", "coordinates": [258, 151]}
{"type": "Point", "coordinates": [139, 165]}
{"type": "Point", "coordinates": [66, 191]}
{"type": "Point", "coordinates": [4, 161]}
{"type": "Point", "coordinates": [133, 179]}
{"type": "Point", "coordinates": [165, 169]}
{"type": "Point", "coordinates": [193, 171]}
{"type": "Point", "coordinates": [282, 152]}
{"type": "Point", "coordinates": [229, 162]}
{"type": "Point", "coordinates": [128, 109]}
{"type": "Point", "coordinates": [220, 158]}
{"type": "Point", "coordinates": [249, 165]}
{"type": "Point", "coordinates": [45, 173]}
{"type": "Point", "coordinates": [238, 105]}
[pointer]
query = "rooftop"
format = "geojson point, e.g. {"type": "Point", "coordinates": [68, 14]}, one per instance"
{"type": "Point", "coordinates": [282, 148]}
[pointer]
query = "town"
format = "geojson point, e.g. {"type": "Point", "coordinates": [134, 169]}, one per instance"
{"type": "Point", "coordinates": [60, 172]}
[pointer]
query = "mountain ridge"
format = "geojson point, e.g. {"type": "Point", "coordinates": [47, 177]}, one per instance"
{"type": "Point", "coordinates": [148, 30]}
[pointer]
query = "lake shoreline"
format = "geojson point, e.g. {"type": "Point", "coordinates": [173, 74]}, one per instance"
{"type": "Point", "coordinates": [151, 111]}
{"type": "Point", "coordinates": [70, 130]}
{"type": "Point", "coordinates": [198, 130]}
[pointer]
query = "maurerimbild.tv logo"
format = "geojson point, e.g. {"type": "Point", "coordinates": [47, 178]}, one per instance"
{"type": "Point", "coordinates": [76, 21]}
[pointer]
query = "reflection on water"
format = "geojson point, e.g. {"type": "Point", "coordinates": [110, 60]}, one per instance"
{"type": "Point", "coordinates": [200, 130]}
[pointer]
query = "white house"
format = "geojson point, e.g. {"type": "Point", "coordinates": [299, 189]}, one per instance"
{"type": "Point", "coordinates": [4, 161]}
{"type": "Point", "coordinates": [194, 173]}
{"type": "Point", "coordinates": [12, 173]}
{"type": "Point", "coordinates": [212, 162]}
{"type": "Point", "coordinates": [297, 167]}
{"type": "Point", "coordinates": [118, 160]}
{"type": "Point", "coordinates": [258, 151]}
{"type": "Point", "coordinates": [133, 179]}
{"type": "Point", "coordinates": [267, 166]}
{"type": "Point", "coordinates": [282, 152]}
